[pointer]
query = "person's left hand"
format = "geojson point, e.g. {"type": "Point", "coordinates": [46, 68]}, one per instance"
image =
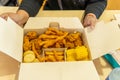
{"type": "Point", "coordinates": [90, 20]}
{"type": "Point", "coordinates": [20, 17]}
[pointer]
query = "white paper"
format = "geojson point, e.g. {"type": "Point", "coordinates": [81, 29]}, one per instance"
{"type": "Point", "coordinates": [103, 39]}
{"type": "Point", "coordinates": [11, 39]}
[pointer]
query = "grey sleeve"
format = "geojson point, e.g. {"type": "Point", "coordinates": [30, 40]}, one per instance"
{"type": "Point", "coordinates": [96, 7]}
{"type": "Point", "coordinates": [31, 6]}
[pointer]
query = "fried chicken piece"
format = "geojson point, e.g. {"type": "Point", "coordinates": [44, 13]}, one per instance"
{"type": "Point", "coordinates": [25, 39]}
{"type": "Point", "coordinates": [73, 36]}
{"type": "Point", "coordinates": [36, 42]}
{"type": "Point", "coordinates": [48, 32]}
{"type": "Point", "coordinates": [31, 35]}
{"type": "Point", "coordinates": [78, 42]}
{"type": "Point", "coordinates": [69, 45]}
{"type": "Point", "coordinates": [26, 44]}
{"type": "Point", "coordinates": [42, 43]}
{"type": "Point", "coordinates": [47, 43]}
{"type": "Point", "coordinates": [57, 45]}
{"type": "Point", "coordinates": [55, 31]}
{"type": "Point", "coordinates": [60, 43]}
{"type": "Point", "coordinates": [51, 42]}
{"type": "Point", "coordinates": [62, 37]}
{"type": "Point", "coordinates": [76, 35]}
{"type": "Point", "coordinates": [44, 36]}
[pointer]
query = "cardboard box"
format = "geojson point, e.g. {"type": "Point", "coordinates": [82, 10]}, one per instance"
{"type": "Point", "coordinates": [104, 38]}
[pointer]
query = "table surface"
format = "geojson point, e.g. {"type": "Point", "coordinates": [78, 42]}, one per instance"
{"type": "Point", "coordinates": [101, 65]}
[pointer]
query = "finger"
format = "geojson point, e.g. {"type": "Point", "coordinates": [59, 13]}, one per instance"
{"type": "Point", "coordinates": [21, 25]}
{"type": "Point", "coordinates": [86, 23]}
{"type": "Point", "coordinates": [4, 16]}
{"type": "Point", "coordinates": [92, 24]}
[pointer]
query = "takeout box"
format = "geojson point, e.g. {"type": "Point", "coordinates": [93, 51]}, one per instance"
{"type": "Point", "coordinates": [104, 38]}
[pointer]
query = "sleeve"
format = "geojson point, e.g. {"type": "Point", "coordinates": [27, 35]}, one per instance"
{"type": "Point", "coordinates": [96, 7]}
{"type": "Point", "coordinates": [31, 6]}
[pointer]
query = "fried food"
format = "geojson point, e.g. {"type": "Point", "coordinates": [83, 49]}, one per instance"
{"type": "Point", "coordinates": [69, 45]}
{"type": "Point", "coordinates": [54, 31]}
{"type": "Point", "coordinates": [40, 58]}
{"type": "Point", "coordinates": [50, 58]}
{"type": "Point", "coordinates": [52, 38]}
{"type": "Point", "coordinates": [36, 43]}
{"type": "Point", "coordinates": [78, 42]}
{"type": "Point", "coordinates": [53, 56]}
{"type": "Point", "coordinates": [26, 45]}
{"type": "Point", "coordinates": [49, 53]}
{"type": "Point", "coordinates": [59, 58]}
{"type": "Point", "coordinates": [51, 42]}
{"type": "Point", "coordinates": [45, 36]}
{"type": "Point", "coordinates": [59, 53]}
{"type": "Point", "coordinates": [31, 35]}
{"type": "Point", "coordinates": [73, 36]}
{"type": "Point", "coordinates": [73, 40]}
{"type": "Point", "coordinates": [57, 45]}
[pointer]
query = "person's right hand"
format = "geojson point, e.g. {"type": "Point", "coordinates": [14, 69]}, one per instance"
{"type": "Point", "coordinates": [20, 17]}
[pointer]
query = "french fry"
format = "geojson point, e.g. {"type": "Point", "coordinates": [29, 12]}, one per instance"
{"type": "Point", "coordinates": [59, 58]}
{"type": "Point", "coordinates": [37, 54]}
{"type": "Point", "coordinates": [49, 53]}
{"type": "Point", "coordinates": [51, 58]}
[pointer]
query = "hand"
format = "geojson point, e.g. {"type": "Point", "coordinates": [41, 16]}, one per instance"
{"type": "Point", "coordinates": [90, 20]}
{"type": "Point", "coordinates": [20, 17]}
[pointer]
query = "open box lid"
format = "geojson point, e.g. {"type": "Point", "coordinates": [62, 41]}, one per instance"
{"type": "Point", "coordinates": [103, 39]}
{"type": "Point", "coordinates": [81, 70]}
{"type": "Point", "coordinates": [43, 22]}
{"type": "Point", "coordinates": [11, 39]}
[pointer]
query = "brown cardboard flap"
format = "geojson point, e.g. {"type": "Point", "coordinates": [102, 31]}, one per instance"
{"type": "Point", "coordinates": [11, 39]}
{"type": "Point", "coordinates": [103, 39]}
{"type": "Point", "coordinates": [8, 66]}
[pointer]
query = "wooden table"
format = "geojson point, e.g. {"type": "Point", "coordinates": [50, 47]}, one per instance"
{"type": "Point", "coordinates": [101, 65]}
